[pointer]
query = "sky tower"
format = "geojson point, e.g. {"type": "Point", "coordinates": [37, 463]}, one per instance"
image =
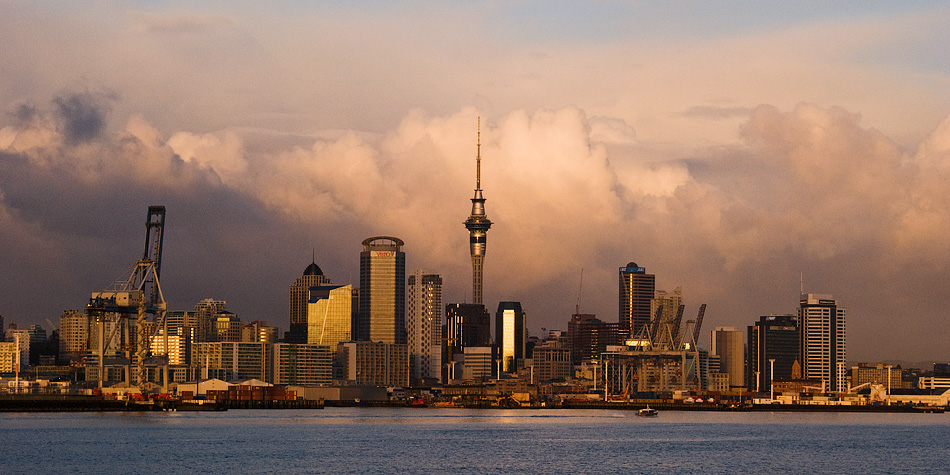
{"type": "Point", "coordinates": [477, 225]}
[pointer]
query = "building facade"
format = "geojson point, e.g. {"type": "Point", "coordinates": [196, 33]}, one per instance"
{"type": "Point", "coordinates": [729, 345]}
{"type": "Point", "coordinates": [424, 325]}
{"type": "Point", "coordinates": [73, 335]}
{"type": "Point", "coordinates": [374, 363]}
{"type": "Point", "coordinates": [772, 337]}
{"type": "Point", "coordinates": [382, 313]}
{"type": "Point", "coordinates": [329, 315]}
{"type": "Point", "coordinates": [302, 364]}
{"type": "Point", "coordinates": [823, 340]}
{"type": "Point", "coordinates": [550, 361]}
{"type": "Point", "coordinates": [588, 336]}
{"type": "Point", "coordinates": [233, 360]}
{"type": "Point", "coordinates": [510, 336]}
{"type": "Point", "coordinates": [299, 302]}
{"type": "Point", "coordinates": [637, 289]}
{"type": "Point", "coordinates": [466, 325]}
{"type": "Point", "coordinates": [206, 315]}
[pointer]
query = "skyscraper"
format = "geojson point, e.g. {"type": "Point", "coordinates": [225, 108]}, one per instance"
{"type": "Point", "coordinates": [728, 343]}
{"type": "Point", "coordinates": [773, 337]}
{"type": "Point", "coordinates": [299, 301]}
{"type": "Point", "coordinates": [382, 315]}
{"type": "Point", "coordinates": [467, 325]}
{"type": "Point", "coordinates": [636, 291]}
{"type": "Point", "coordinates": [823, 340]}
{"type": "Point", "coordinates": [329, 315]}
{"type": "Point", "coordinates": [510, 335]}
{"type": "Point", "coordinates": [589, 336]}
{"type": "Point", "coordinates": [477, 225]}
{"type": "Point", "coordinates": [424, 328]}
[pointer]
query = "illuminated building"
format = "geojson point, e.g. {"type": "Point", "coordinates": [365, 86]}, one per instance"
{"type": "Point", "coordinates": [510, 335]}
{"type": "Point", "coordinates": [330, 315]}
{"type": "Point", "coordinates": [382, 313]}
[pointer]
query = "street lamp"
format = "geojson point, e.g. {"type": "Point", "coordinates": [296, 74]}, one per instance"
{"type": "Point", "coordinates": [771, 379]}
{"type": "Point", "coordinates": [888, 385]}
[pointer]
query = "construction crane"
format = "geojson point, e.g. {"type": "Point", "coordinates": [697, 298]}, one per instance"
{"type": "Point", "coordinates": [134, 298]}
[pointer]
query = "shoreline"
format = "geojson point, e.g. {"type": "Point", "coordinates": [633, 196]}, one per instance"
{"type": "Point", "coordinates": [80, 403]}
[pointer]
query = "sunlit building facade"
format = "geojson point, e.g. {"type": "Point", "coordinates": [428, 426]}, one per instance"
{"type": "Point", "coordinates": [329, 315]}
{"type": "Point", "coordinates": [382, 314]}
{"type": "Point", "coordinates": [510, 335]}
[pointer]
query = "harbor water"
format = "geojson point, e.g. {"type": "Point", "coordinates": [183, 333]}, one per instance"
{"type": "Point", "coordinates": [429, 440]}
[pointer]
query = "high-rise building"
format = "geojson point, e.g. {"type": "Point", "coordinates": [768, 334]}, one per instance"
{"type": "Point", "coordinates": [589, 336]}
{"type": "Point", "coordinates": [73, 335]}
{"type": "Point", "coordinates": [477, 225]}
{"type": "Point", "coordinates": [299, 301]}
{"type": "Point", "coordinates": [729, 345]}
{"type": "Point", "coordinates": [382, 315]}
{"type": "Point", "coordinates": [424, 326]}
{"type": "Point", "coordinates": [510, 335]}
{"type": "Point", "coordinates": [773, 337]}
{"type": "Point", "coordinates": [637, 289]}
{"type": "Point", "coordinates": [823, 340]}
{"type": "Point", "coordinates": [330, 315]}
{"type": "Point", "coordinates": [227, 327]}
{"type": "Point", "coordinates": [467, 325]}
{"type": "Point", "coordinates": [206, 315]}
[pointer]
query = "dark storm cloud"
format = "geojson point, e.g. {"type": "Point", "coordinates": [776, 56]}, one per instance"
{"type": "Point", "coordinates": [83, 115]}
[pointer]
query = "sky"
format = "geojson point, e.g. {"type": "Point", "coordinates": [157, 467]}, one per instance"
{"type": "Point", "coordinates": [742, 150]}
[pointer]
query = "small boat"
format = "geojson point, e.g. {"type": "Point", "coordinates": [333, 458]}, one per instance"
{"type": "Point", "coordinates": [647, 412]}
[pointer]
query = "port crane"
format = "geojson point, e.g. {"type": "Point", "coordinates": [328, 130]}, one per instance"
{"type": "Point", "coordinates": [127, 305]}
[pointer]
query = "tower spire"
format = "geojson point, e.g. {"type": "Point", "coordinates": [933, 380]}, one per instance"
{"type": "Point", "coordinates": [477, 223]}
{"type": "Point", "coordinates": [478, 158]}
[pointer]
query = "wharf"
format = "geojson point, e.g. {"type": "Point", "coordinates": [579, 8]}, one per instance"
{"type": "Point", "coordinates": [79, 403]}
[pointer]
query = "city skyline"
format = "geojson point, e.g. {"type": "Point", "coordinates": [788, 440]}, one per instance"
{"type": "Point", "coordinates": [733, 158]}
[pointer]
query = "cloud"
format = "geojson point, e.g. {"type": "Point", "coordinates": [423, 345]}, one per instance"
{"type": "Point", "coordinates": [807, 191]}
{"type": "Point", "coordinates": [177, 23]}
{"type": "Point", "coordinates": [83, 115]}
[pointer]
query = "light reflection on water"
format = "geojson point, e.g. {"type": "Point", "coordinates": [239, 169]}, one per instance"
{"type": "Point", "coordinates": [386, 440]}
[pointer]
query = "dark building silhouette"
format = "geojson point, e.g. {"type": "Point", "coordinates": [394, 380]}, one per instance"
{"type": "Point", "coordinates": [467, 325]}
{"type": "Point", "coordinates": [588, 336]}
{"type": "Point", "coordinates": [772, 337]}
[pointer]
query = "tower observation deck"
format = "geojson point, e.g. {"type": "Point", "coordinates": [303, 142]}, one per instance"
{"type": "Point", "coordinates": [477, 225]}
